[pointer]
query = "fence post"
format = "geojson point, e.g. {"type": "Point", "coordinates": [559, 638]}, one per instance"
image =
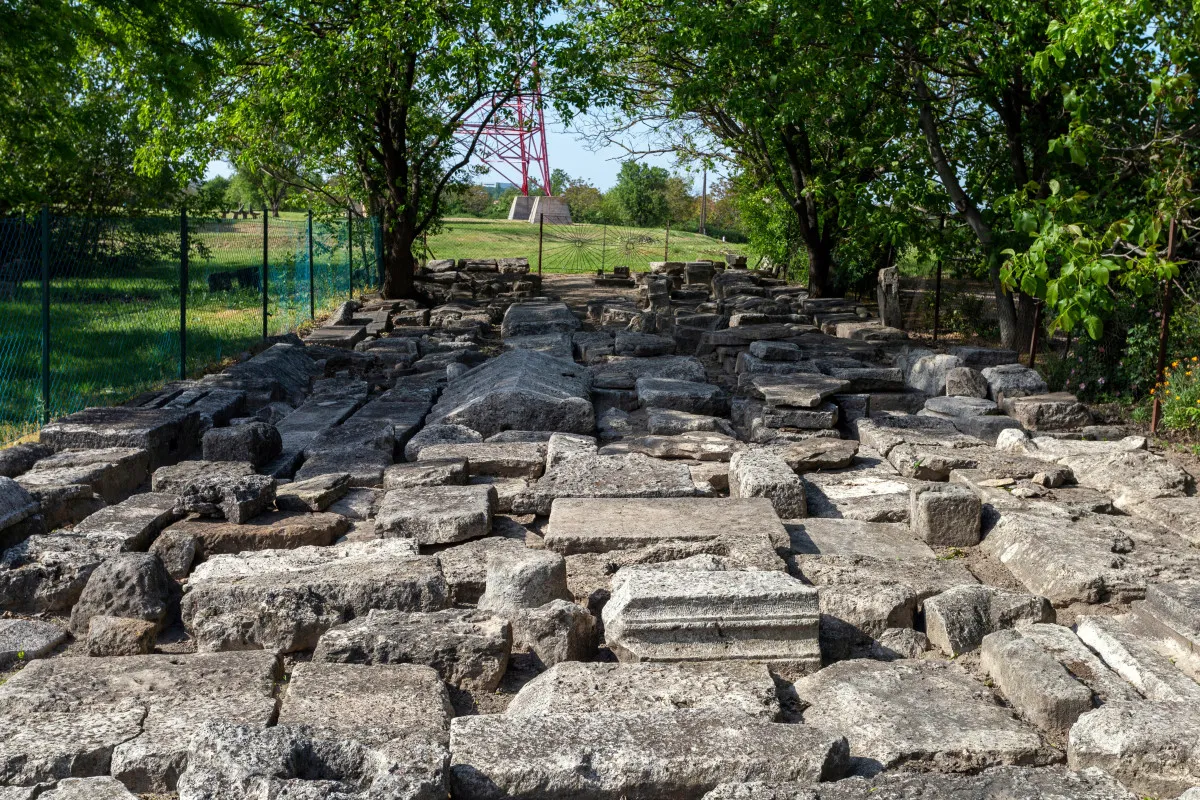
{"type": "Point", "coordinates": [266, 274]}
{"type": "Point", "coordinates": [183, 292]}
{"type": "Point", "coordinates": [312, 284]}
{"type": "Point", "coordinates": [603, 246]}
{"type": "Point", "coordinates": [937, 301]}
{"type": "Point", "coordinates": [541, 226]}
{"type": "Point", "coordinates": [1033, 338]}
{"type": "Point", "coordinates": [1163, 331]}
{"type": "Point", "coordinates": [379, 249]}
{"type": "Point", "coordinates": [667, 242]}
{"type": "Point", "coordinates": [350, 247]}
{"type": "Point", "coordinates": [45, 314]}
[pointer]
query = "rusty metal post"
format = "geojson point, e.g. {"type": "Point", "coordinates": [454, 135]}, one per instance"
{"type": "Point", "coordinates": [1163, 332]}
{"type": "Point", "coordinates": [541, 228]}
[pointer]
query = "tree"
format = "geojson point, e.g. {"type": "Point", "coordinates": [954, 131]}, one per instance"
{"type": "Point", "coordinates": [641, 194]}
{"type": "Point", "coordinates": [382, 90]}
{"type": "Point", "coordinates": [681, 205]}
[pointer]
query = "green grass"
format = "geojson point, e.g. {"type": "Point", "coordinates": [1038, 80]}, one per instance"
{"type": "Point", "coordinates": [114, 324]}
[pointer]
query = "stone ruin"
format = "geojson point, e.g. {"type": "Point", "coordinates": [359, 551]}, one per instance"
{"type": "Point", "coordinates": [721, 540]}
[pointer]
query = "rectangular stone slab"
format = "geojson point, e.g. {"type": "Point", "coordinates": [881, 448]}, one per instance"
{"type": "Point", "coordinates": [167, 434]}
{"type": "Point", "coordinates": [580, 525]}
{"type": "Point", "coordinates": [625, 476]}
{"type": "Point", "coordinates": [676, 615]}
{"type": "Point", "coordinates": [654, 755]}
{"type": "Point", "coordinates": [796, 391]}
{"type": "Point", "coordinates": [535, 319]}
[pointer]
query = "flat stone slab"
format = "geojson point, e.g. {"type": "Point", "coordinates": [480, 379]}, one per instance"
{"type": "Point", "coordinates": [819, 454]}
{"type": "Point", "coordinates": [519, 390]}
{"type": "Point", "coordinates": [342, 336]}
{"type": "Point", "coordinates": [27, 639]}
{"type": "Point", "coordinates": [283, 600]}
{"type": "Point", "coordinates": [372, 704]}
{"type": "Point", "coordinates": [1123, 644]}
{"type": "Point", "coordinates": [1034, 682]}
{"type": "Point", "coordinates": [279, 530]}
{"type": "Point", "coordinates": [867, 493]}
{"type": "Point", "coordinates": [437, 514]}
{"type": "Point", "coordinates": [468, 648]}
{"type": "Point", "coordinates": [1047, 412]}
{"type": "Point", "coordinates": [623, 372]}
{"type": "Point", "coordinates": [632, 755]}
{"type": "Point", "coordinates": [917, 713]}
{"type": "Point", "coordinates": [575, 687]}
{"type": "Point", "coordinates": [1009, 783]}
{"type": "Point", "coordinates": [1130, 477]}
{"type": "Point", "coordinates": [112, 472]}
{"type": "Point", "coordinates": [1092, 559]}
{"type": "Point", "coordinates": [958, 619]}
{"type": "Point", "coordinates": [536, 319]}
{"type": "Point", "coordinates": [796, 391]}
{"type": "Point", "coordinates": [229, 489]}
{"type": "Point", "coordinates": [501, 459]}
{"type": "Point", "coordinates": [1151, 747]}
{"type": "Point", "coordinates": [748, 528]}
{"type": "Point", "coordinates": [627, 476]}
{"type": "Point", "coordinates": [689, 396]}
{"type": "Point", "coordinates": [138, 711]}
{"type": "Point", "coordinates": [677, 615]}
{"type": "Point", "coordinates": [1174, 609]}
{"type": "Point", "coordinates": [166, 434]}
{"type": "Point", "coordinates": [47, 573]}
{"type": "Point", "coordinates": [959, 406]}
{"type": "Point", "coordinates": [668, 422]}
{"type": "Point", "coordinates": [133, 522]}
{"type": "Point", "coordinates": [693, 446]}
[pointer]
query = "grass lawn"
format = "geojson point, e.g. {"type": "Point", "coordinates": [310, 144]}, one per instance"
{"type": "Point", "coordinates": [114, 321]}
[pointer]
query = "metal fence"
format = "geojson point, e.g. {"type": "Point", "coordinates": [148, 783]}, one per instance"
{"type": "Point", "coordinates": [572, 248]}
{"type": "Point", "coordinates": [94, 310]}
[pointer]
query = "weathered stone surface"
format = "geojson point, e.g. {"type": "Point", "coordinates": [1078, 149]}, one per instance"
{"type": "Point", "coordinates": [734, 687]}
{"type": "Point", "coordinates": [966, 382]}
{"type": "Point", "coordinates": [27, 639]}
{"type": "Point", "coordinates": [298, 429]}
{"type": "Point", "coordinates": [426, 472]}
{"type": "Point", "coordinates": [120, 636]}
{"type": "Point", "coordinates": [87, 789]}
{"type": "Point", "coordinates": [1092, 559]}
{"type": "Point", "coordinates": [134, 585]}
{"type": "Point", "coordinates": [870, 490]}
{"type": "Point", "coordinates": [144, 709]}
{"type": "Point", "coordinates": [282, 530]}
{"type": "Point", "coordinates": [1179, 515]}
{"type": "Point", "coordinates": [776, 351]}
{"type": "Point", "coordinates": [928, 373]}
{"type": "Point", "coordinates": [439, 434]}
{"type": "Point", "coordinates": [314, 494]}
{"type": "Point", "coordinates": [1034, 682]}
{"type": "Point", "coordinates": [112, 472]}
{"type": "Point", "coordinates": [633, 475]}
{"type": "Point", "coordinates": [668, 422]}
{"type": "Point", "coordinates": [1130, 477]}
{"type": "Point", "coordinates": [688, 396]}
{"type": "Point", "coordinates": [997, 783]}
{"type": "Point", "coordinates": [635, 755]}
{"type": "Point", "coordinates": [1173, 610]}
{"type": "Point", "coordinates": [745, 529]}
{"type": "Point", "coordinates": [468, 648]}
{"type": "Point", "coordinates": [1151, 747]}
{"type": "Point", "coordinates": [465, 565]}
{"type": "Point", "coordinates": [502, 459]}
{"type": "Point", "coordinates": [1047, 412]}
{"type": "Point", "coordinates": [167, 435]}
{"type": "Point", "coordinates": [958, 619]}
{"type": "Point", "coordinates": [822, 417]}
{"type": "Point", "coordinates": [437, 514]}
{"type": "Point", "coordinates": [945, 515]}
{"type": "Point", "coordinates": [1135, 658]}
{"type": "Point", "coordinates": [19, 458]}
{"type": "Point", "coordinates": [819, 454]}
{"type": "Point", "coordinates": [552, 344]}
{"type": "Point", "coordinates": [623, 373]}
{"type": "Point", "coordinates": [518, 579]}
{"type": "Point", "coordinates": [46, 573]}
{"type": "Point", "coordinates": [642, 345]}
{"type": "Point", "coordinates": [556, 632]}
{"type": "Point", "coordinates": [283, 600]}
{"type": "Point", "coordinates": [958, 406]}
{"type": "Point", "coordinates": [796, 391]}
{"type": "Point", "coordinates": [1007, 381]}
{"type": "Point", "coordinates": [760, 473]}
{"type": "Point", "coordinates": [917, 713]}
{"type": "Point", "coordinates": [16, 506]}
{"type": "Point", "coordinates": [256, 442]}
{"type": "Point", "coordinates": [693, 446]}
{"type": "Point", "coordinates": [373, 704]}
{"type": "Point", "coordinates": [217, 489]}
{"type": "Point", "coordinates": [534, 319]}
{"type": "Point", "coordinates": [1067, 649]}
{"type": "Point", "coordinates": [677, 615]}
{"type": "Point", "coordinates": [133, 522]}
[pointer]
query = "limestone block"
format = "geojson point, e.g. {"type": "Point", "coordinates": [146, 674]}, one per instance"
{"type": "Point", "coordinates": [758, 473]}
{"type": "Point", "coordinates": [437, 514]}
{"type": "Point", "coordinates": [945, 515]}
{"type": "Point", "coordinates": [958, 619]}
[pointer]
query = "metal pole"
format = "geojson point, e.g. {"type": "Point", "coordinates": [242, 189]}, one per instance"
{"type": "Point", "coordinates": [937, 301]}
{"type": "Point", "coordinates": [45, 314]}
{"type": "Point", "coordinates": [312, 284]}
{"type": "Point", "coordinates": [1163, 332]}
{"type": "Point", "coordinates": [541, 225]}
{"type": "Point", "coordinates": [183, 292]}
{"type": "Point", "coordinates": [265, 275]}
{"type": "Point", "coordinates": [350, 247]}
{"type": "Point", "coordinates": [667, 242]}
{"type": "Point", "coordinates": [603, 246]}
{"type": "Point", "coordinates": [1033, 339]}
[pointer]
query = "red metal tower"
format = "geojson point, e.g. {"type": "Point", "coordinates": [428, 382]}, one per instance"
{"type": "Point", "coordinates": [512, 142]}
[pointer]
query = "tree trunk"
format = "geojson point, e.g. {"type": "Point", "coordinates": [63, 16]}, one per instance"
{"type": "Point", "coordinates": [398, 239]}
{"type": "Point", "coordinates": [820, 269]}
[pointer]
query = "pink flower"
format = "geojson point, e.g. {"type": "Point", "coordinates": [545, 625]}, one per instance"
{"type": "Point", "coordinates": [1083, 386]}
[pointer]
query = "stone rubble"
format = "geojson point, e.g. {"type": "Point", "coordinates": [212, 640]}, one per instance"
{"type": "Point", "coordinates": [723, 540]}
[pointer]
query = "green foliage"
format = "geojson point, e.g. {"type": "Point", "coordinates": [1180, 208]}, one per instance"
{"type": "Point", "coordinates": [640, 195]}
